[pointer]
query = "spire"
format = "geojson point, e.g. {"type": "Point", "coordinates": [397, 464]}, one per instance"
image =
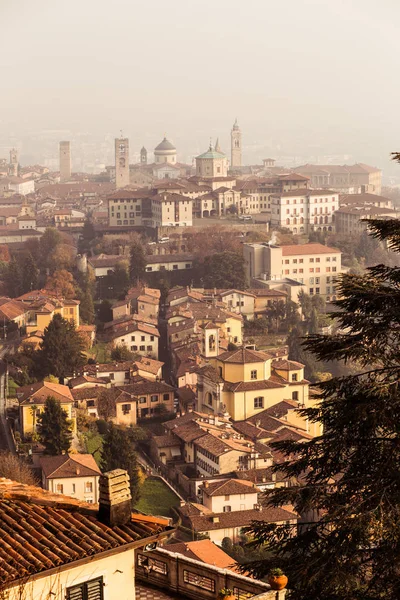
{"type": "Point", "coordinates": [235, 125]}
{"type": "Point", "coordinates": [217, 147]}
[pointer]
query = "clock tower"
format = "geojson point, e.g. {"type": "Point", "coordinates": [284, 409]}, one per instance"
{"type": "Point", "coordinates": [121, 162]}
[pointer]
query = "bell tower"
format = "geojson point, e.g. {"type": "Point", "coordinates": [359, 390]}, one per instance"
{"type": "Point", "coordinates": [210, 340]}
{"type": "Point", "coordinates": [13, 167]}
{"type": "Point", "coordinates": [143, 156]}
{"type": "Point", "coordinates": [121, 162]}
{"type": "Point", "coordinates": [236, 146]}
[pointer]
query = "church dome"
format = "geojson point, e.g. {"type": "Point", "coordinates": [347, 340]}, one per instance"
{"type": "Point", "coordinates": [165, 146]}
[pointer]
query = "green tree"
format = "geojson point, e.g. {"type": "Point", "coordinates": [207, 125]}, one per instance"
{"type": "Point", "coordinates": [223, 270]}
{"type": "Point", "coordinates": [137, 266]}
{"type": "Point", "coordinates": [313, 326]}
{"type": "Point", "coordinates": [105, 312]}
{"type": "Point", "coordinates": [88, 236]}
{"type": "Point", "coordinates": [298, 353]}
{"type": "Point", "coordinates": [276, 312]}
{"type": "Point", "coordinates": [13, 279]}
{"type": "Point", "coordinates": [119, 280]}
{"type": "Point", "coordinates": [60, 352]}
{"type": "Point", "coordinates": [86, 308]}
{"type": "Point", "coordinates": [119, 453]}
{"type": "Point", "coordinates": [348, 546]}
{"type": "Point", "coordinates": [106, 404]}
{"type": "Point", "coordinates": [48, 243]}
{"type": "Point", "coordinates": [121, 354]}
{"type": "Point", "coordinates": [54, 428]}
{"type": "Point", "coordinates": [30, 274]}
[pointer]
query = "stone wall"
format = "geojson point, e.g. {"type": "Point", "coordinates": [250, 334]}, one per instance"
{"type": "Point", "coordinates": [195, 579]}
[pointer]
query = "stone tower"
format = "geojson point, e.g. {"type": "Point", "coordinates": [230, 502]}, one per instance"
{"type": "Point", "coordinates": [13, 168]}
{"type": "Point", "coordinates": [121, 162]}
{"type": "Point", "coordinates": [143, 156]}
{"type": "Point", "coordinates": [236, 146]}
{"type": "Point", "coordinates": [65, 161]}
{"type": "Point", "coordinates": [210, 340]}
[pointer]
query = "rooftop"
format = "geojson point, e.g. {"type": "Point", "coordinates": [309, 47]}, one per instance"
{"type": "Point", "coordinates": [69, 465]}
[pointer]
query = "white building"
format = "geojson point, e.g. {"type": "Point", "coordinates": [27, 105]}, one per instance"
{"type": "Point", "coordinates": [229, 495]}
{"type": "Point", "coordinates": [314, 266]}
{"type": "Point", "coordinates": [74, 475]}
{"type": "Point", "coordinates": [302, 211]}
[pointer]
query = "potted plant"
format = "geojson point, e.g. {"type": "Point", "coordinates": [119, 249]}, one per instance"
{"type": "Point", "coordinates": [277, 579]}
{"type": "Point", "coordinates": [226, 594]}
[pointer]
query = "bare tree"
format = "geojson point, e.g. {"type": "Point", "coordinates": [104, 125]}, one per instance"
{"type": "Point", "coordinates": [15, 468]}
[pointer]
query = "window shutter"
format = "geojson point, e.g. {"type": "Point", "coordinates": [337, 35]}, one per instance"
{"type": "Point", "coordinates": [94, 589]}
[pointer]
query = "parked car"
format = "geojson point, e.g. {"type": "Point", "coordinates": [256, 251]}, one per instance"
{"type": "Point", "coordinates": [163, 240]}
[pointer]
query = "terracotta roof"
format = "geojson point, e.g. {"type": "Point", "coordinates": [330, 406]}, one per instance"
{"type": "Point", "coordinates": [211, 373]}
{"type": "Point", "coordinates": [248, 386]}
{"type": "Point", "coordinates": [239, 518]}
{"type": "Point", "coordinates": [168, 258]}
{"type": "Point", "coordinates": [37, 393]}
{"type": "Point", "coordinates": [281, 409]}
{"type": "Point", "coordinates": [287, 365]}
{"type": "Point", "coordinates": [149, 365]}
{"type": "Point", "coordinates": [229, 487]}
{"type": "Point", "coordinates": [166, 441]}
{"type": "Point", "coordinates": [69, 465]}
{"type": "Point", "coordinates": [40, 530]}
{"type": "Point", "coordinates": [83, 379]}
{"type": "Point", "coordinates": [148, 387]}
{"type": "Point", "coordinates": [251, 431]}
{"type": "Point", "coordinates": [205, 551]}
{"type": "Point", "coordinates": [11, 309]}
{"type": "Point", "coordinates": [311, 248]}
{"type": "Point", "coordinates": [243, 356]}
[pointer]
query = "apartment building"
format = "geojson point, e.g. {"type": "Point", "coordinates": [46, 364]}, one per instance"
{"type": "Point", "coordinates": [312, 267]}
{"type": "Point", "coordinates": [75, 475]}
{"type": "Point", "coordinates": [304, 211]}
{"type": "Point", "coordinates": [138, 337]}
{"type": "Point", "coordinates": [149, 208]}
{"type": "Point", "coordinates": [351, 219]}
{"type": "Point", "coordinates": [348, 179]}
{"type": "Point", "coordinates": [261, 188]}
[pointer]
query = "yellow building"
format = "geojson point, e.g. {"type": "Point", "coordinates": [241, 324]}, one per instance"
{"type": "Point", "coordinates": [42, 306]}
{"type": "Point", "coordinates": [245, 382]}
{"type": "Point", "coordinates": [32, 399]}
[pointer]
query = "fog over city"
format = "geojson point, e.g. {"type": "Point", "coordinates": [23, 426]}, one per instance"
{"type": "Point", "coordinates": [310, 80]}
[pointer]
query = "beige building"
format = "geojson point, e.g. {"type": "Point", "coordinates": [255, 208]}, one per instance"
{"type": "Point", "coordinates": [245, 382]}
{"type": "Point", "coordinates": [137, 337]}
{"type": "Point", "coordinates": [229, 495]}
{"type": "Point", "coordinates": [75, 475]}
{"type": "Point", "coordinates": [65, 161]}
{"type": "Point", "coordinates": [121, 162]}
{"type": "Point", "coordinates": [348, 179]}
{"type": "Point", "coordinates": [212, 163]}
{"type": "Point", "coordinates": [351, 219]}
{"type": "Point", "coordinates": [312, 267]}
{"type": "Point", "coordinates": [32, 399]}
{"type": "Point", "coordinates": [302, 211]}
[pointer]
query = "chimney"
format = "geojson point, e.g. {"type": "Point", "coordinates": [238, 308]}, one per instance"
{"type": "Point", "coordinates": [205, 484]}
{"type": "Point", "coordinates": [115, 498]}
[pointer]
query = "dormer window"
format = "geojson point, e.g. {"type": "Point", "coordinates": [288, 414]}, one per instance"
{"type": "Point", "coordinates": [253, 374]}
{"type": "Point", "coordinates": [294, 376]}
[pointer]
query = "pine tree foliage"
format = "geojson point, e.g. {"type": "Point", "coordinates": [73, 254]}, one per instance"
{"type": "Point", "coordinates": [137, 265]}
{"type": "Point", "coordinates": [60, 353]}
{"type": "Point", "coordinates": [119, 453]}
{"type": "Point", "coordinates": [348, 491]}
{"type": "Point", "coordinates": [54, 428]}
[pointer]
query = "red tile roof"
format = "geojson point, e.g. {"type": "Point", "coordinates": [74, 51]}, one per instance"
{"type": "Point", "coordinates": [37, 393]}
{"type": "Point", "coordinates": [229, 487]}
{"type": "Point", "coordinates": [311, 248]}
{"type": "Point", "coordinates": [41, 531]}
{"type": "Point", "coordinates": [69, 465]}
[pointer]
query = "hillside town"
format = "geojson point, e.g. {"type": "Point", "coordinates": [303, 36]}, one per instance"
{"type": "Point", "coordinates": [153, 320]}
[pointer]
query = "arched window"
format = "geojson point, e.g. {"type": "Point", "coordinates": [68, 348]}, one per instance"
{"type": "Point", "coordinates": [301, 220]}
{"type": "Point", "coordinates": [287, 221]}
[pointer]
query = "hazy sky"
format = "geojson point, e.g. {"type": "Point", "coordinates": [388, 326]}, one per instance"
{"type": "Point", "coordinates": [296, 73]}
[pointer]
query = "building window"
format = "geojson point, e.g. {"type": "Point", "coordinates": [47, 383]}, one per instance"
{"type": "Point", "coordinates": [90, 590]}
{"type": "Point", "coordinates": [59, 488]}
{"type": "Point", "coordinates": [132, 338]}
{"type": "Point", "coordinates": [166, 397]}
{"type": "Point", "coordinates": [154, 398]}
{"type": "Point", "coordinates": [142, 400]}
{"type": "Point", "coordinates": [152, 338]}
{"type": "Point", "coordinates": [259, 402]}
{"type": "Point", "coordinates": [134, 348]}
{"type": "Point", "coordinates": [295, 396]}
{"type": "Point", "coordinates": [311, 291]}
{"type": "Point", "coordinates": [149, 348]}
{"type": "Point", "coordinates": [126, 409]}
{"type": "Point", "coordinates": [227, 508]}
{"type": "Point", "coordinates": [253, 374]}
{"type": "Point", "coordinates": [317, 290]}
{"type": "Point", "coordinates": [205, 583]}
{"type": "Point", "coordinates": [88, 487]}
{"type": "Point", "coordinates": [294, 376]}
{"type": "Point", "coordinates": [142, 348]}
{"type": "Point", "coordinates": [243, 496]}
